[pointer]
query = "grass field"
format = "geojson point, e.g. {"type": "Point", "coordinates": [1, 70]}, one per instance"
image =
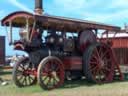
{"type": "Point", "coordinates": [70, 88]}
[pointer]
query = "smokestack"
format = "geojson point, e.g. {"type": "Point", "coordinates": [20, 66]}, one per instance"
{"type": "Point", "coordinates": [38, 7]}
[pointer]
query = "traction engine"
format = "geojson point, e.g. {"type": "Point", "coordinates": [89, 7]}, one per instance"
{"type": "Point", "coordinates": [60, 49]}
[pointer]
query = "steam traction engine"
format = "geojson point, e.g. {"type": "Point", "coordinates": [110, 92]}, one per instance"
{"type": "Point", "coordinates": [58, 48]}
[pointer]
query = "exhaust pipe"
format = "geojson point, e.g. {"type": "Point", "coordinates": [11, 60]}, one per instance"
{"type": "Point", "coordinates": [38, 7]}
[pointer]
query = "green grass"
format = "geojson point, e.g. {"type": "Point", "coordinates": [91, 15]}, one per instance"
{"type": "Point", "coordinates": [70, 88]}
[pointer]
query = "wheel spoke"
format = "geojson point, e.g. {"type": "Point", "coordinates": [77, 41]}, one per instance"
{"type": "Point", "coordinates": [58, 73]}
{"type": "Point", "coordinates": [20, 78]}
{"type": "Point", "coordinates": [104, 54]}
{"type": "Point", "coordinates": [45, 78]}
{"type": "Point", "coordinates": [25, 81]}
{"type": "Point", "coordinates": [26, 67]}
{"type": "Point", "coordinates": [56, 67]}
{"type": "Point", "coordinates": [21, 66]}
{"type": "Point", "coordinates": [92, 62]}
{"type": "Point", "coordinates": [20, 69]}
{"type": "Point", "coordinates": [44, 74]}
{"type": "Point", "coordinates": [52, 65]}
{"type": "Point", "coordinates": [55, 80]}
{"type": "Point", "coordinates": [100, 50]}
{"type": "Point", "coordinates": [93, 69]}
{"type": "Point", "coordinates": [97, 72]}
{"type": "Point", "coordinates": [109, 60]}
{"type": "Point", "coordinates": [102, 72]}
{"type": "Point", "coordinates": [29, 79]}
{"type": "Point", "coordinates": [45, 70]}
{"type": "Point", "coordinates": [19, 73]}
{"type": "Point", "coordinates": [97, 53]}
{"type": "Point", "coordinates": [107, 69]}
{"type": "Point", "coordinates": [52, 82]}
{"type": "Point", "coordinates": [95, 57]}
{"type": "Point", "coordinates": [99, 75]}
{"type": "Point", "coordinates": [48, 81]}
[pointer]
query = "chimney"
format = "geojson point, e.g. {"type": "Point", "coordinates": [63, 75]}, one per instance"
{"type": "Point", "coordinates": [38, 7]}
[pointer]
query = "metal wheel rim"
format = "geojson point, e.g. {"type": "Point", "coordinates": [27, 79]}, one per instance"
{"type": "Point", "coordinates": [52, 74]}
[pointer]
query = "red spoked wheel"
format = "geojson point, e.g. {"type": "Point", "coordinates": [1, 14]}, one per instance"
{"type": "Point", "coordinates": [98, 65]}
{"type": "Point", "coordinates": [50, 73]}
{"type": "Point", "coordinates": [23, 73]}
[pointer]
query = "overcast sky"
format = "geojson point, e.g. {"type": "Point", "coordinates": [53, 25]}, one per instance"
{"type": "Point", "coordinates": [114, 12]}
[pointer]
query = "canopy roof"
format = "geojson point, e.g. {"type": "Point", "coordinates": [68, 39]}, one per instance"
{"type": "Point", "coordinates": [55, 22]}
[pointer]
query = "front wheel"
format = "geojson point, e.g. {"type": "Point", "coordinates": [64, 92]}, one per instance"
{"type": "Point", "coordinates": [22, 73]}
{"type": "Point", "coordinates": [50, 73]}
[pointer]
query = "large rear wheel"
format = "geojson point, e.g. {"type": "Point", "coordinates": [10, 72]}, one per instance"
{"type": "Point", "coordinates": [50, 73]}
{"type": "Point", "coordinates": [98, 65]}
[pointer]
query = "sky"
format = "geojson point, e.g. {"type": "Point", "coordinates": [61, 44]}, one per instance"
{"type": "Point", "coordinates": [114, 12]}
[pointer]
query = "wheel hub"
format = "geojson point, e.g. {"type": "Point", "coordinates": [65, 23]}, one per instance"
{"type": "Point", "coordinates": [101, 63]}
{"type": "Point", "coordinates": [54, 74]}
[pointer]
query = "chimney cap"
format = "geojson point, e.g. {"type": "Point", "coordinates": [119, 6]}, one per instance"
{"type": "Point", "coordinates": [38, 7]}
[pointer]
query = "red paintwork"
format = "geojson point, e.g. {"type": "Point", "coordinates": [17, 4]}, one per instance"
{"type": "Point", "coordinates": [48, 71]}
{"type": "Point", "coordinates": [116, 65]}
{"type": "Point", "coordinates": [19, 47]}
{"type": "Point", "coordinates": [32, 72]}
{"type": "Point", "coordinates": [34, 34]}
{"type": "Point", "coordinates": [118, 42]}
{"type": "Point", "coordinates": [2, 50]}
{"type": "Point", "coordinates": [120, 47]}
{"type": "Point", "coordinates": [72, 63]}
{"type": "Point", "coordinates": [16, 15]}
{"type": "Point", "coordinates": [71, 25]}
